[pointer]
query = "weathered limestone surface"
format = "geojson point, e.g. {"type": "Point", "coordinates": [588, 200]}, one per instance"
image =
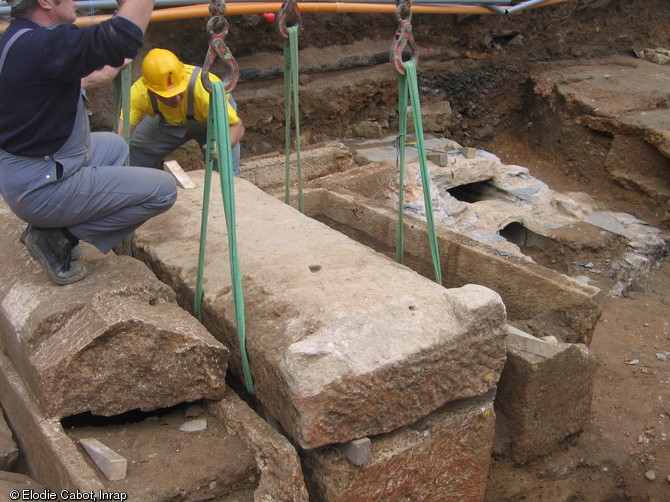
{"type": "Point", "coordinates": [544, 395]}
{"type": "Point", "coordinates": [435, 117]}
{"type": "Point", "coordinates": [281, 476]}
{"type": "Point", "coordinates": [526, 288]}
{"type": "Point", "coordinates": [252, 460]}
{"type": "Point", "coordinates": [442, 457]}
{"type": "Point", "coordinates": [269, 171]}
{"type": "Point", "coordinates": [113, 342]}
{"type": "Point", "coordinates": [609, 88]}
{"type": "Point", "coordinates": [50, 455]}
{"type": "Point", "coordinates": [343, 342]}
{"type": "Point", "coordinates": [8, 450]}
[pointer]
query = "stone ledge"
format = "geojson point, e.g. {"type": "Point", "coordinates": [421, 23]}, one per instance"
{"type": "Point", "coordinates": [343, 342]}
{"type": "Point", "coordinates": [444, 456]}
{"type": "Point", "coordinates": [113, 342]}
{"type": "Point", "coordinates": [543, 399]}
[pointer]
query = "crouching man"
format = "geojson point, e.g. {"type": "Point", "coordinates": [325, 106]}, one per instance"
{"type": "Point", "coordinates": [64, 181]}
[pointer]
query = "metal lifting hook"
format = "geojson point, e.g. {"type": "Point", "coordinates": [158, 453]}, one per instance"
{"type": "Point", "coordinates": [288, 9]}
{"type": "Point", "coordinates": [403, 36]}
{"type": "Point", "coordinates": [217, 29]}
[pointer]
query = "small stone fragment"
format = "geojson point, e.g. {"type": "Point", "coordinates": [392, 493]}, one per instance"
{"type": "Point", "coordinates": [197, 425]}
{"type": "Point", "coordinates": [112, 465]}
{"type": "Point", "coordinates": [650, 475]}
{"type": "Point", "coordinates": [358, 451]}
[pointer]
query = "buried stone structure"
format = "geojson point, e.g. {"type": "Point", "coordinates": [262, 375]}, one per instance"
{"type": "Point", "coordinates": [118, 342]}
{"type": "Point", "coordinates": [269, 287]}
{"type": "Point", "coordinates": [344, 343]}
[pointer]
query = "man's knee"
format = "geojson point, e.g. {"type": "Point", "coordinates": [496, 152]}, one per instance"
{"type": "Point", "coordinates": [166, 192]}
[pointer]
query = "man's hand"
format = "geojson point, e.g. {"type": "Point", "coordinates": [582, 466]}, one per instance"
{"type": "Point", "coordinates": [236, 133]}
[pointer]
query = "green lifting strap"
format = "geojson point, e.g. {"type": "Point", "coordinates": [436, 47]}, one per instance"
{"type": "Point", "coordinates": [122, 98]}
{"type": "Point", "coordinates": [409, 82]}
{"type": "Point", "coordinates": [400, 165]}
{"type": "Point", "coordinates": [218, 137]}
{"type": "Point", "coordinates": [291, 84]}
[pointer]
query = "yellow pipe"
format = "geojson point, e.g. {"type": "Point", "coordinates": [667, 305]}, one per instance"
{"type": "Point", "coordinates": [202, 10]}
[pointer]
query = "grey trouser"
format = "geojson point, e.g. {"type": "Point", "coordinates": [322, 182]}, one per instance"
{"type": "Point", "coordinates": [153, 139]}
{"type": "Point", "coordinates": [85, 188]}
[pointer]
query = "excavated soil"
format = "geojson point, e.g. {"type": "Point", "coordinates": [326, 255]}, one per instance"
{"type": "Point", "coordinates": [482, 65]}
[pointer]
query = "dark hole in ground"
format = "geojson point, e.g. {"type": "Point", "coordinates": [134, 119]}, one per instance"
{"type": "Point", "coordinates": [517, 234]}
{"type": "Point", "coordinates": [88, 419]}
{"type": "Point", "coordinates": [473, 192]}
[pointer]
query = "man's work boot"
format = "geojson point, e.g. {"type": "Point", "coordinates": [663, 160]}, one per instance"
{"type": "Point", "coordinates": [75, 254]}
{"type": "Point", "coordinates": [52, 249]}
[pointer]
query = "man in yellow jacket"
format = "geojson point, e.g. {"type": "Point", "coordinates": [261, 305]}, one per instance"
{"type": "Point", "coordinates": [168, 107]}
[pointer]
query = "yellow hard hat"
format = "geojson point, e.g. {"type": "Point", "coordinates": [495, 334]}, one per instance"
{"type": "Point", "coordinates": [163, 73]}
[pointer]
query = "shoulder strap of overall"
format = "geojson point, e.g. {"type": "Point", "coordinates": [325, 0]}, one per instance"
{"type": "Point", "coordinates": [154, 105]}
{"type": "Point", "coordinates": [191, 92]}
{"type": "Point", "coordinates": [11, 41]}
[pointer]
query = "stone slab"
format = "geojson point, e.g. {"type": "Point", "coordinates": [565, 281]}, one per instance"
{"type": "Point", "coordinates": [358, 451]}
{"type": "Point", "coordinates": [113, 342]}
{"type": "Point", "coordinates": [620, 95]}
{"type": "Point", "coordinates": [521, 340]}
{"type": "Point", "coordinates": [367, 151]}
{"type": "Point", "coordinates": [436, 116]}
{"type": "Point", "coordinates": [542, 400]}
{"type": "Point", "coordinates": [51, 458]}
{"type": "Point", "coordinates": [444, 456]}
{"type": "Point", "coordinates": [526, 288]}
{"type": "Point", "coordinates": [343, 343]}
{"type": "Point", "coordinates": [651, 125]}
{"type": "Point", "coordinates": [264, 465]}
{"type": "Point", "coordinates": [196, 425]}
{"type": "Point", "coordinates": [269, 171]}
{"type": "Point", "coordinates": [608, 87]}
{"type": "Point", "coordinates": [281, 475]}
